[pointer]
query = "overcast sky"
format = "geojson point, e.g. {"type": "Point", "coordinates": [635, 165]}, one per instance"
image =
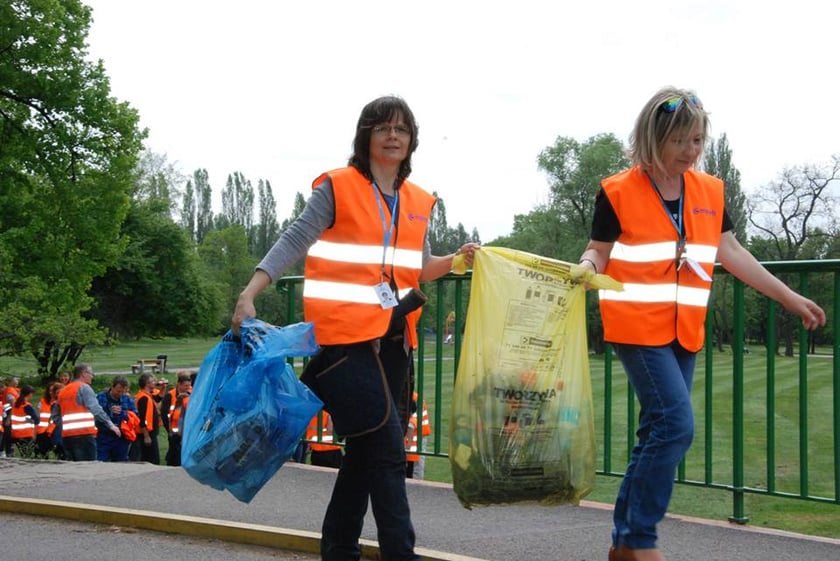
{"type": "Point", "coordinates": [274, 88]}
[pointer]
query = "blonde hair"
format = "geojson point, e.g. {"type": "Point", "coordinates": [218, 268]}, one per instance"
{"type": "Point", "coordinates": [669, 110]}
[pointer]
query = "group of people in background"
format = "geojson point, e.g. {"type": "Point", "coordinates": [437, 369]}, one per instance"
{"type": "Point", "coordinates": [72, 422]}
{"type": "Point", "coordinates": [323, 447]}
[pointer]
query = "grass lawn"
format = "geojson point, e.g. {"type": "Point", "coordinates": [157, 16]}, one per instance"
{"type": "Point", "coordinates": [778, 466]}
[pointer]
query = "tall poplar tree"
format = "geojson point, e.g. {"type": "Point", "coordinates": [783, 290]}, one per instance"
{"type": "Point", "coordinates": [204, 202]}
{"type": "Point", "coordinates": [267, 229]}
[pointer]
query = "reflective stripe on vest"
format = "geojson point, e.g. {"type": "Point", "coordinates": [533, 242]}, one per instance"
{"type": "Point", "coordinates": [659, 303]}
{"type": "Point", "coordinates": [345, 264]}
{"type": "Point", "coordinates": [175, 413]}
{"type": "Point", "coordinates": [43, 416]}
{"type": "Point", "coordinates": [76, 420]}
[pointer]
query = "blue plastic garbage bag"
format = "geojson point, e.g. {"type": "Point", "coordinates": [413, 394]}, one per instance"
{"type": "Point", "coordinates": [248, 410]}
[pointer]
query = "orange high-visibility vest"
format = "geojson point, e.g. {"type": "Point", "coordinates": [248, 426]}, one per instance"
{"type": "Point", "coordinates": [411, 434]}
{"type": "Point", "coordinates": [175, 413]}
{"type": "Point", "coordinates": [43, 415]}
{"type": "Point", "coordinates": [7, 403]}
{"type": "Point", "coordinates": [22, 425]}
{"type": "Point", "coordinates": [76, 419]}
{"type": "Point", "coordinates": [326, 442]}
{"type": "Point", "coordinates": [345, 264]}
{"type": "Point", "coordinates": [660, 303]}
{"type": "Point", "coordinates": [149, 420]}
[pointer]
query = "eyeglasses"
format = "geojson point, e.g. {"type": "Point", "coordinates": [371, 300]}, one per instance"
{"type": "Point", "coordinates": [671, 105]}
{"type": "Point", "coordinates": [386, 130]}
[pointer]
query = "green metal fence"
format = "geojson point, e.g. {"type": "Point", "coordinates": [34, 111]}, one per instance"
{"type": "Point", "coordinates": [767, 423]}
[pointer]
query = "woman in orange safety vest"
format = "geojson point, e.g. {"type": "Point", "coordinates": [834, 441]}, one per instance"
{"type": "Point", "coordinates": [45, 425]}
{"type": "Point", "coordinates": [366, 229]}
{"type": "Point", "coordinates": [24, 420]}
{"type": "Point", "coordinates": [658, 228]}
{"type": "Point", "coordinates": [8, 396]}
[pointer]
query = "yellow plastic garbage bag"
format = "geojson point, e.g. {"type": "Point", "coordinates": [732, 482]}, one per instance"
{"type": "Point", "coordinates": [522, 425]}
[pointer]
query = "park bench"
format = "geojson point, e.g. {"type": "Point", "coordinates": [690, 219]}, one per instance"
{"type": "Point", "coordinates": [155, 365]}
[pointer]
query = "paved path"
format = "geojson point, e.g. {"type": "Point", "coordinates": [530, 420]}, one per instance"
{"type": "Point", "coordinates": [291, 505]}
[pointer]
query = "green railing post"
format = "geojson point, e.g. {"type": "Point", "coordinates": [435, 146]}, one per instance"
{"type": "Point", "coordinates": [771, 395]}
{"type": "Point", "coordinates": [738, 407]}
{"type": "Point", "coordinates": [440, 319]}
{"type": "Point", "coordinates": [459, 314]}
{"type": "Point", "coordinates": [708, 396]}
{"type": "Point", "coordinates": [608, 378]}
{"type": "Point", "coordinates": [836, 380]}
{"type": "Point", "coordinates": [803, 396]}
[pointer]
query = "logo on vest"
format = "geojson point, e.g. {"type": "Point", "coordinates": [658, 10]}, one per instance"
{"type": "Point", "coordinates": [420, 217]}
{"type": "Point", "coordinates": [706, 211]}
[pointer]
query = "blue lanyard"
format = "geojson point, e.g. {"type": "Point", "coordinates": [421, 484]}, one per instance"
{"type": "Point", "coordinates": [388, 231]}
{"type": "Point", "coordinates": [678, 223]}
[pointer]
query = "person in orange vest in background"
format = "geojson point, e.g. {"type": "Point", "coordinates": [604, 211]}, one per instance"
{"type": "Point", "coordinates": [79, 413]}
{"type": "Point", "coordinates": [173, 410]}
{"type": "Point", "coordinates": [24, 420]}
{"type": "Point", "coordinates": [8, 397]}
{"type": "Point", "coordinates": [415, 462]}
{"type": "Point", "coordinates": [42, 438]}
{"type": "Point", "coordinates": [118, 404]}
{"type": "Point", "coordinates": [54, 428]}
{"type": "Point", "coordinates": [145, 448]}
{"type": "Point", "coordinates": [324, 453]}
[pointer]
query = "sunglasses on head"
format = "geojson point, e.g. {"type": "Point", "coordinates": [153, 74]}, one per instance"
{"type": "Point", "coordinates": [671, 105]}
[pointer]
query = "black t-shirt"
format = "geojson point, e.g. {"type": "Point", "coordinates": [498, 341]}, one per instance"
{"type": "Point", "coordinates": [607, 228]}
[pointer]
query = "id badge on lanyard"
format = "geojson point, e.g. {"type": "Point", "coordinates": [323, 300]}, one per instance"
{"type": "Point", "coordinates": [384, 294]}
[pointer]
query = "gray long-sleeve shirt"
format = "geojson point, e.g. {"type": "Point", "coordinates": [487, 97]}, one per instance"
{"type": "Point", "coordinates": [317, 216]}
{"type": "Point", "coordinates": [87, 397]}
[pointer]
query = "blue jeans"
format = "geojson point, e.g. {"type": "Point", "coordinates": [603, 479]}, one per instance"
{"type": "Point", "coordinates": [661, 378]}
{"type": "Point", "coordinates": [373, 468]}
{"type": "Point", "coordinates": [111, 448]}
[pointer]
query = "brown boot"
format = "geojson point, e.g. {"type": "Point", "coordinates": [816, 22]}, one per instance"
{"type": "Point", "coordinates": [624, 553]}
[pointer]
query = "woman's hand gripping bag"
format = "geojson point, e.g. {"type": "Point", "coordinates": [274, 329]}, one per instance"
{"type": "Point", "coordinates": [248, 410]}
{"type": "Point", "coordinates": [522, 425]}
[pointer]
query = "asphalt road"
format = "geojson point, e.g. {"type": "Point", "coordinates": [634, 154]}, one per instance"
{"type": "Point", "coordinates": [36, 538]}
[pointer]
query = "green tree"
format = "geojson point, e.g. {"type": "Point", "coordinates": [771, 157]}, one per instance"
{"type": "Point", "coordinates": [796, 218]}
{"type": "Point", "coordinates": [575, 171]}
{"type": "Point", "coordinates": [718, 162]}
{"type": "Point", "coordinates": [560, 228]}
{"type": "Point", "coordinates": [439, 229]}
{"type": "Point", "coordinates": [188, 210]}
{"type": "Point", "coordinates": [203, 207]}
{"type": "Point", "coordinates": [158, 179]}
{"type": "Point", "coordinates": [267, 229]}
{"type": "Point", "coordinates": [238, 203]}
{"type": "Point", "coordinates": [225, 253]}
{"type": "Point", "coordinates": [158, 287]}
{"type": "Point", "coordinates": [67, 161]}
